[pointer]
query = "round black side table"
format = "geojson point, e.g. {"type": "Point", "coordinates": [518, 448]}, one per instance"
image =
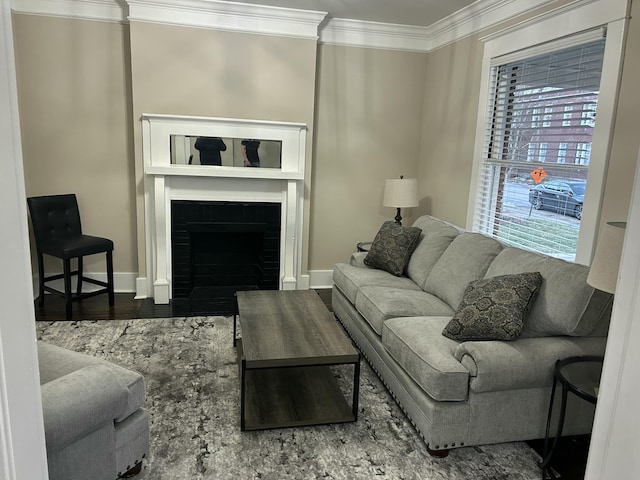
{"type": "Point", "coordinates": [580, 376]}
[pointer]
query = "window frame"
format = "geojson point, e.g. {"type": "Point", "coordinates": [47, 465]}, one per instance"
{"type": "Point", "coordinates": [574, 23]}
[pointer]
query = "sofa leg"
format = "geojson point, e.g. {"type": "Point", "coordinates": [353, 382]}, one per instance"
{"type": "Point", "coordinates": [132, 472]}
{"type": "Point", "coordinates": [438, 453]}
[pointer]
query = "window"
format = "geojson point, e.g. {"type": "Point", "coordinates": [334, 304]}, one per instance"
{"type": "Point", "coordinates": [510, 205]}
{"type": "Point", "coordinates": [562, 153]}
{"type": "Point", "coordinates": [535, 118]}
{"type": "Point", "coordinates": [566, 116]}
{"type": "Point", "coordinates": [583, 153]}
{"type": "Point", "coordinates": [542, 156]}
{"type": "Point", "coordinates": [588, 114]}
{"type": "Point", "coordinates": [531, 153]}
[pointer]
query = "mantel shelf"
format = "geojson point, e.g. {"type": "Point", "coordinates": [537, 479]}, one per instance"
{"type": "Point", "coordinates": [222, 172]}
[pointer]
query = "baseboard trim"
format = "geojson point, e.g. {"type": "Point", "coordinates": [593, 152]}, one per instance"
{"type": "Point", "coordinates": [129, 282]}
{"type": "Point", "coordinates": [313, 279]}
{"type": "Point", "coordinates": [320, 278]}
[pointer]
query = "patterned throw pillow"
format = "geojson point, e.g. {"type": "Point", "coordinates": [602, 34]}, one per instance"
{"type": "Point", "coordinates": [494, 308]}
{"type": "Point", "coordinates": [392, 247]}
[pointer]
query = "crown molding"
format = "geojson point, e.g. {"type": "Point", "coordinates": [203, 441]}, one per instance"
{"type": "Point", "coordinates": [213, 14]}
{"type": "Point", "coordinates": [477, 17]}
{"type": "Point", "coordinates": [602, 11]}
{"type": "Point", "coordinates": [356, 33]}
{"type": "Point", "coordinates": [103, 10]}
{"type": "Point", "coordinates": [221, 15]}
{"type": "Point", "coordinates": [249, 18]}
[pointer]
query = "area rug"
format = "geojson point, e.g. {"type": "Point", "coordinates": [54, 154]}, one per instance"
{"type": "Point", "coordinates": [193, 398]}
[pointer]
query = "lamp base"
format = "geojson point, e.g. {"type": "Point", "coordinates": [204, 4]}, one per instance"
{"type": "Point", "coordinates": [398, 218]}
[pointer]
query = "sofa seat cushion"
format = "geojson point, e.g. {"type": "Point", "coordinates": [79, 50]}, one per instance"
{"type": "Point", "coordinates": [467, 259]}
{"type": "Point", "coordinates": [377, 304]}
{"type": "Point", "coordinates": [350, 279]}
{"type": "Point", "coordinates": [56, 362]}
{"type": "Point", "coordinates": [551, 314]}
{"type": "Point", "coordinates": [419, 347]}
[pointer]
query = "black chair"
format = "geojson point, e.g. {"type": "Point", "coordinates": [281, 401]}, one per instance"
{"type": "Point", "coordinates": [57, 232]}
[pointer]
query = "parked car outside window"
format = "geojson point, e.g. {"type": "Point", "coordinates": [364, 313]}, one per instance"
{"type": "Point", "coordinates": [562, 196]}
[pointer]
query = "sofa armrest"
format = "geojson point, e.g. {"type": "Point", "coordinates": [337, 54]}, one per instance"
{"type": "Point", "coordinates": [79, 403]}
{"type": "Point", "coordinates": [357, 259]}
{"type": "Point", "coordinates": [523, 363]}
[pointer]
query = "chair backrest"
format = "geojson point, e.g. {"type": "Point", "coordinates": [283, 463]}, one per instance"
{"type": "Point", "coordinates": [54, 217]}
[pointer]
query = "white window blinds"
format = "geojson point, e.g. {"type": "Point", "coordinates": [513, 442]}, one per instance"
{"type": "Point", "coordinates": [540, 119]}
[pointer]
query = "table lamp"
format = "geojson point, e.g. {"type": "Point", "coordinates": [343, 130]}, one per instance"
{"type": "Point", "coordinates": [603, 273]}
{"type": "Point", "coordinates": [400, 193]}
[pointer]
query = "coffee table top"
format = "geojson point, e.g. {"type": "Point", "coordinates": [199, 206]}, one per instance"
{"type": "Point", "coordinates": [290, 328]}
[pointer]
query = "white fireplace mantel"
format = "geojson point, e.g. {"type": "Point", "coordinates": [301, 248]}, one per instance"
{"type": "Point", "coordinates": [164, 182]}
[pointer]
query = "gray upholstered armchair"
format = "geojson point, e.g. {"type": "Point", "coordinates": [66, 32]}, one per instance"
{"type": "Point", "coordinates": [95, 426]}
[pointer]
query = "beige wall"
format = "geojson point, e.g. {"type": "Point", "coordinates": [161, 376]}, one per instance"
{"type": "Point", "coordinates": [373, 114]}
{"type": "Point", "coordinates": [368, 128]}
{"type": "Point", "coordinates": [626, 137]}
{"type": "Point", "coordinates": [194, 71]}
{"type": "Point", "coordinates": [451, 103]}
{"type": "Point", "coordinates": [73, 80]}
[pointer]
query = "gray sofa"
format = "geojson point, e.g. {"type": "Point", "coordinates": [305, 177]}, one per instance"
{"type": "Point", "coordinates": [472, 392]}
{"type": "Point", "coordinates": [95, 426]}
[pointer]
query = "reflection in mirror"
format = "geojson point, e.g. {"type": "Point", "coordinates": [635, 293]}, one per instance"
{"type": "Point", "coordinates": [226, 152]}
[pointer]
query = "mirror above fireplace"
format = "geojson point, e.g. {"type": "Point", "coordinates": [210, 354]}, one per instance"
{"type": "Point", "coordinates": [222, 147]}
{"type": "Point", "coordinates": [225, 152]}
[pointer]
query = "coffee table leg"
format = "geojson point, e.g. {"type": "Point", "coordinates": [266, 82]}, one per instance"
{"type": "Point", "coordinates": [356, 388]}
{"type": "Point", "coordinates": [234, 330]}
{"type": "Point", "coordinates": [235, 314]}
{"type": "Point", "coordinates": [242, 392]}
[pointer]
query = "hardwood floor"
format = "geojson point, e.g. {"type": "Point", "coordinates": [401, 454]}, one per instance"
{"type": "Point", "coordinates": [126, 308]}
{"type": "Point", "coordinates": [570, 458]}
{"type": "Point", "coordinates": [93, 308]}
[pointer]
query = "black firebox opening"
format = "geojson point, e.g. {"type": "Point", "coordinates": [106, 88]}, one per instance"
{"type": "Point", "coordinates": [219, 248]}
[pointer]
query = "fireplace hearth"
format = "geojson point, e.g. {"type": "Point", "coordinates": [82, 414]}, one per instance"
{"type": "Point", "coordinates": [218, 248]}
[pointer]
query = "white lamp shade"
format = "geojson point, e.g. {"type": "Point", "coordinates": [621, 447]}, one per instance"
{"type": "Point", "coordinates": [400, 193]}
{"type": "Point", "coordinates": [603, 274]}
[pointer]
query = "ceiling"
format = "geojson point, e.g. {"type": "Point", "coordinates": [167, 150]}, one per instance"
{"type": "Point", "coordinates": [403, 12]}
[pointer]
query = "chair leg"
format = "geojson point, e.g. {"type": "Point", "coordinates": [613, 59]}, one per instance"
{"type": "Point", "coordinates": [132, 472]}
{"type": "Point", "coordinates": [41, 279]}
{"type": "Point", "coordinates": [110, 278]}
{"type": "Point", "coordinates": [67, 286]}
{"type": "Point", "coordinates": [79, 287]}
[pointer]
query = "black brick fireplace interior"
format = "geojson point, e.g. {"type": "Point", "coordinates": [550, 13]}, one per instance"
{"type": "Point", "coordinates": [218, 248]}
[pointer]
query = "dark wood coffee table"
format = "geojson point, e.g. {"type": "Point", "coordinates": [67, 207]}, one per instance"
{"type": "Point", "coordinates": [289, 343]}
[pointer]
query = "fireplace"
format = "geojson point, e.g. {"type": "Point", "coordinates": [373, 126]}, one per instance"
{"type": "Point", "coordinates": [219, 248]}
{"type": "Point", "coordinates": [200, 271]}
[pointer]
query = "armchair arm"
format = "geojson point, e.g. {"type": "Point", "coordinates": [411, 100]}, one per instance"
{"type": "Point", "coordinates": [80, 402]}
{"type": "Point", "coordinates": [522, 363]}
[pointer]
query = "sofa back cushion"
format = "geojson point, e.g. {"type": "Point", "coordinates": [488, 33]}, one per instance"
{"type": "Point", "coordinates": [563, 297]}
{"type": "Point", "coordinates": [465, 260]}
{"type": "Point", "coordinates": [435, 238]}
